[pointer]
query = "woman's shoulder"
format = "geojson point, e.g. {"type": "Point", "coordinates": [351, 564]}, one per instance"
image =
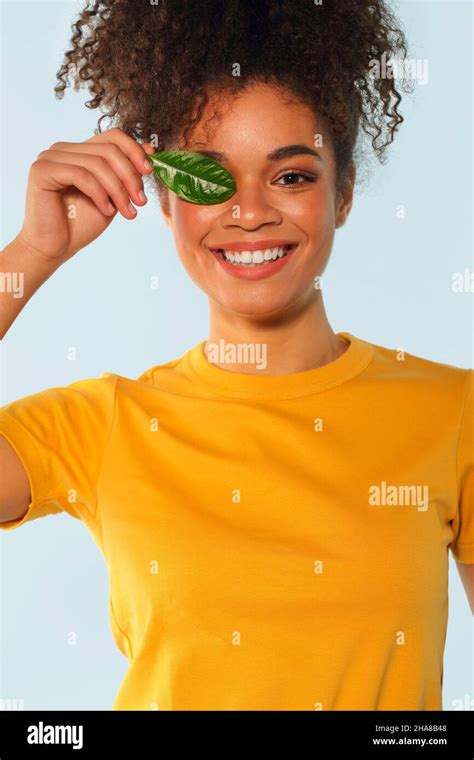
{"type": "Point", "coordinates": [166, 375]}
{"type": "Point", "coordinates": [430, 381]}
{"type": "Point", "coordinates": [414, 362]}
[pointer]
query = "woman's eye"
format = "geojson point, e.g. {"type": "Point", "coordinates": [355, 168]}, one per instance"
{"type": "Point", "coordinates": [307, 177]}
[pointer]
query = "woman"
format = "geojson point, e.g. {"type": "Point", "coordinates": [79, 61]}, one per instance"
{"type": "Point", "coordinates": [275, 507]}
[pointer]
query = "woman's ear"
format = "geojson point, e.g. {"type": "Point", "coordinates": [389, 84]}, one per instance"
{"type": "Point", "coordinates": [165, 205]}
{"type": "Point", "coordinates": [166, 215]}
{"type": "Point", "coordinates": [345, 196]}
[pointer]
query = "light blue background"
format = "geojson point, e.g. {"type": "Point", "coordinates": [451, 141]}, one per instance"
{"type": "Point", "coordinates": [389, 281]}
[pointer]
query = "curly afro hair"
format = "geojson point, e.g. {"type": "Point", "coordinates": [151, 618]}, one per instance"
{"type": "Point", "coordinates": [151, 65]}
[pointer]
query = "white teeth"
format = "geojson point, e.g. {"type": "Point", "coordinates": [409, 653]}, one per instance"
{"type": "Point", "coordinates": [250, 258]}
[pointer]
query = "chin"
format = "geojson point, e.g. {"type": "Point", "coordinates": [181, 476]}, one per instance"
{"type": "Point", "coordinates": [254, 306]}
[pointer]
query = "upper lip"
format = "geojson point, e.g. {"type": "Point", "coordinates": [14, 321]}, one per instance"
{"type": "Point", "coordinates": [258, 245]}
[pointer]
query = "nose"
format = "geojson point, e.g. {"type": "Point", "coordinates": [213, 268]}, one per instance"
{"type": "Point", "coordinates": [251, 206]}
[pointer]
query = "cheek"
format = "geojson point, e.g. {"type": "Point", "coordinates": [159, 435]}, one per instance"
{"type": "Point", "coordinates": [192, 226]}
{"type": "Point", "coordinates": [191, 223]}
{"type": "Point", "coordinates": [312, 212]}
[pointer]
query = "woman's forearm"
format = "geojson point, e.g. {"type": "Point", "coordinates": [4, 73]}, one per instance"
{"type": "Point", "coordinates": [22, 272]}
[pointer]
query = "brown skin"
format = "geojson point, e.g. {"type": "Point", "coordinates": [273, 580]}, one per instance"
{"type": "Point", "coordinates": [84, 178]}
{"type": "Point", "coordinates": [285, 311]}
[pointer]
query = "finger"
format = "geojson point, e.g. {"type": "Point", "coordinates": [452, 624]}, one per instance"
{"type": "Point", "coordinates": [133, 149]}
{"type": "Point", "coordinates": [120, 163]}
{"type": "Point", "coordinates": [54, 176]}
{"type": "Point", "coordinates": [100, 167]}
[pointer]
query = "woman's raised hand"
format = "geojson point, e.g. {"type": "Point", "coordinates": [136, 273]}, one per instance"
{"type": "Point", "coordinates": [75, 189]}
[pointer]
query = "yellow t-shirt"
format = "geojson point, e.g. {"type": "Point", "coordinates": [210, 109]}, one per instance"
{"type": "Point", "coordinates": [273, 542]}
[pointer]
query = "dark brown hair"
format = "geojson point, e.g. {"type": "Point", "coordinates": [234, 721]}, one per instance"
{"type": "Point", "coordinates": [151, 64]}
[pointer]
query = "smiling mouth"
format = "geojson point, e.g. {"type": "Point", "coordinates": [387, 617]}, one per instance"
{"type": "Point", "coordinates": [249, 259]}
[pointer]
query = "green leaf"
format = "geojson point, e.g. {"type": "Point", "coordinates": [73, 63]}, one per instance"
{"type": "Point", "coordinates": [193, 177]}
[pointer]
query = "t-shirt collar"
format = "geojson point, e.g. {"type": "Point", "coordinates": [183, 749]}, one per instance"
{"type": "Point", "coordinates": [233, 384]}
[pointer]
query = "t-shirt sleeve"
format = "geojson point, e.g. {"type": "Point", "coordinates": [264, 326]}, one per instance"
{"type": "Point", "coordinates": [60, 435]}
{"type": "Point", "coordinates": [462, 546]}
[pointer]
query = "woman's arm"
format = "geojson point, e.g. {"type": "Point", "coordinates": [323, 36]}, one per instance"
{"type": "Point", "coordinates": [15, 493]}
{"type": "Point", "coordinates": [19, 260]}
{"type": "Point", "coordinates": [466, 573]}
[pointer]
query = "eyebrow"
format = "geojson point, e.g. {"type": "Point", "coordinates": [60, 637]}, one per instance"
{"type": "Point", "coordinates": [276, 155]}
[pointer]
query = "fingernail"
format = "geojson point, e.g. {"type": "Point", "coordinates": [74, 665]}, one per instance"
{"type": "Point", "coordinates": [142, 196]}
{"type": "Point", "coordinates": [132, 208]}
{"type": "Point", "coordinates": [146, 165]}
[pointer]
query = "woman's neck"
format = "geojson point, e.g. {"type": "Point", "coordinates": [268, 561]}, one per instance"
{"type": "Point", "coordinates": [268, 346]}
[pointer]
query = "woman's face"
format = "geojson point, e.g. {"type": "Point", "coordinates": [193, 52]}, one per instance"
{"type": "Point", "coordinates": [268, 208]}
